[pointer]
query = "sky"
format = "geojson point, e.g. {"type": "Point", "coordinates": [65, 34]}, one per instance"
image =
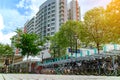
{"type": "Point", "coordinates": [14, 14]}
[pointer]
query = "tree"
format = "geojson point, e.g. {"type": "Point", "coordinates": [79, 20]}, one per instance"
{"type": "Point", "coordinates": [113, 12]}
{"type": "Point", "coordinates": [28, 43]}
{"type": "Point", "coordinates": [96, 27]}
{"type": "Point", "coordinates": [66, 36]}
{"type": "Point", "coordinates": [55, 49]}
{"type": "Point", "coordinates": [5, 50]}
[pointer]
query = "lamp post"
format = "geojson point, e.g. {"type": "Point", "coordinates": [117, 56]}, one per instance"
{"type": "Point", "coordinates": [42, 56]}
{"type": "Point", "coordinates": [76, 43]}
{"type": "Point", "coordinates": [6, 65]}
{"type": "Point", "coordinates": [54, 51]}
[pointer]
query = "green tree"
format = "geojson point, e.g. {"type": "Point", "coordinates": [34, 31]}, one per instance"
{"type": "Point", "coordinates": [66, 36]}
{"type": "Point", "coordinates": [55, 49]}
{"type": "Point", "coordinates": [5, 50]}
{"type": "Point", "coordinates": [113, 12]}
{"type": "Point", "coordinates": [28, 43]}
{"type": "Point", "coordinates": [96, 27]}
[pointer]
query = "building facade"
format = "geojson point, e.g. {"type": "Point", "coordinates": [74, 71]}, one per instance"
{"type": "Point", "coordinates": [51, 15]}
{"type": "Point", "coordinates": [74, 10]}
{"type": "Point", "coordinates": [30, 26]}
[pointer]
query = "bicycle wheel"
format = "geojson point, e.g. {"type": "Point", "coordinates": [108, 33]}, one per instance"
{"type": "Point", "coordinates": [117, 72]}
{"type": "Point", "coordinates": [98, 70]}
{"type": "Point", "coordinates": [108, 69]}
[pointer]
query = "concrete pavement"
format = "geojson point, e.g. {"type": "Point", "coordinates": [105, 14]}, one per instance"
{"type": "Point", "coordinates": [54, 77]}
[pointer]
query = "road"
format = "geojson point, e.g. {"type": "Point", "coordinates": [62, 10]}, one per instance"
{"type": "Point", "coordinates": [54, 77]}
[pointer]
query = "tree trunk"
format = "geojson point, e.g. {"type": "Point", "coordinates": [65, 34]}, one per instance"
{"type": "Point", "coordinates": [13, 59]}
{"type": "Point", "coordinates": [28, 65]}
{"type": "Point", "coordinates": [98, 47]}
{"type": "Point", "coordinates": [71, 46]}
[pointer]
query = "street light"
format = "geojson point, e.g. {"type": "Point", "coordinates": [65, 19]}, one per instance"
{"type": "Point", "coordinates": [76, 43]}
{"type": "Point", "coordinates": [6, 65]}
{"type": "Point", "coordinates": [42, 56]}
{"type": "Point", "coordinates": [54, 51]}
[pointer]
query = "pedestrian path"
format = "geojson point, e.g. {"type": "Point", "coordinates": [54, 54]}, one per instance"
{"type": "Point", "coordinates": [54, 77]}
{"type": "Point", "coordinates": [1, 77]}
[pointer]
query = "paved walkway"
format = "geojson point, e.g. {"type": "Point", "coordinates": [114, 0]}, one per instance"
{"type": "Point", "coordinates": [53, 77]}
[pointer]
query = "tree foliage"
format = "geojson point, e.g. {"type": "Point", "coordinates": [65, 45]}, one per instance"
{"type": "Point", "coordinates": [100, 26]}
{"type": "Point", "coordinates": [66, 36]}
{"type": "Point", "coordinates": [97, 29]}
{"type": "Point", "coordinates": [28, 43]}
{"type": "Point", "coordinates": [113, 12]}
{"type": "Point", "coordinates": [6, 50]}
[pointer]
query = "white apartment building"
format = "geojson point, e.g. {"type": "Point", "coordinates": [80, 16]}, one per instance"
{"type": "Point", "coordinates": [29, 26]}
{"type": "Point", "coordinates": [51, 15]}
{"type": "Point", "coordinates": [74, 10]}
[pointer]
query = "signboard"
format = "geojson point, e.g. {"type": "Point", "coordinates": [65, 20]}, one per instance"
{"type": "Point", "coordinates": [73, 50]}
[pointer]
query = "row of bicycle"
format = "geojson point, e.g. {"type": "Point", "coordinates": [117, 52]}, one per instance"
{"type": "Point", "coordinates": [106, 66]}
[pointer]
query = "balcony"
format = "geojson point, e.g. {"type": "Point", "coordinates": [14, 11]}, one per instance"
{"type": "Point", "coordinates": [61, 4]}
{"type": "Point", "coordinates": [61, 11]}
{"type": "Point", "coordinates": [61, 7]}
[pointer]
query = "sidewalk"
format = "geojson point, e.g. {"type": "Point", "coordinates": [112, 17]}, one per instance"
{"type": "Point", "coordinates": [1, 77]}
{"type": "Point", "coordinates": [54, 77]}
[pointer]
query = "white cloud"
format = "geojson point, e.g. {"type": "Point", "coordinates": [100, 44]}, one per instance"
{"type": "Point", "coordinates": [89, 4]}
{"type": "Point", "coordinates": [12, 20]}
{"type": "Point", "coordinates": [5, 39]}
{"type": "Point", "coordinates": [21, 4]}
{"type": "Point", "coordinates": [33, 5]}
{"type": "Point", "coordinates": [1, 22]}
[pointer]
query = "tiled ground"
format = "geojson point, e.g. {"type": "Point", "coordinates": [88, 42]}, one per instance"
{"type": "Point", "coordinates": [53, 77]}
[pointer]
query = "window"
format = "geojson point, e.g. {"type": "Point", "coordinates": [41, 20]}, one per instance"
{"type": "Point", "coordinates": [53, 11]}
{"type": "Point", "coordinates": [53, 15]}
{"type": "Point", "coordinates": [48, 8]}
{"type": "Point", "coordinates": [48, 12]}
{"type": "Point", "coordinates": [52, 33]}
{"type": "Point", "coordinates": [48, 4]}
{"type": "Point", "coordinates": [48, 21]}
{"type": "Point", "coordinates": [48, 25]}
{"type": "Point", "coordinates": [52, 28]}
{"type": "Point", "coordinates": [53, 2]}
{"type": "Point", "coordinates": [53, 19]}
{"type": "Point", "coordinates": [48, 29]}
{"type": "Point", "coordinates": [52, 24]}
{"type": "Point", "coordinates": [53, 7]}
{"type": "Point", "coordinates": [48, 16]}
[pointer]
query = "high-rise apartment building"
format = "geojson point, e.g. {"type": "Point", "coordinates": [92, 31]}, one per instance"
{"type": "Point", "coordinates": [30, 26]}
{"type": "Point", "coordinates": [74, 10]}
{"type": "Point", "coordinates": [51, 15]}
